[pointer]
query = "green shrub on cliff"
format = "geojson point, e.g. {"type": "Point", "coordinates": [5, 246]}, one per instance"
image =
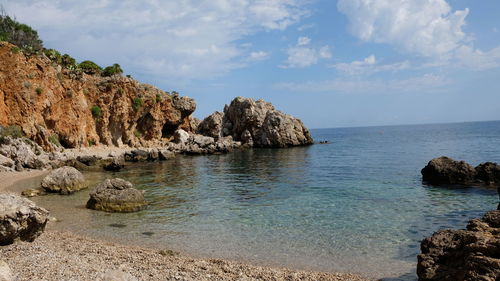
{"type": "Point", "coordinates": [19, 34]}
{"type": "Point", "coordinates": [112, 70]}
{"type": "Point", "coordinates": [38, 91]}
{"type": "Point", "coordinates": [68, 62]}
{"type": "Point", "coordinates": [89, 67]}
{"type": "Point", "coordinates": [10, 131]}
{"type": "Point", "coordinates": [96, 111]}
{"type": "Point", "coordinates": [53, 55]}
{"type": "Point", "coordinates": [137, 103]}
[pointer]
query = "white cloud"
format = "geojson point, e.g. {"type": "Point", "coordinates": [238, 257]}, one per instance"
{"type": "Point", "coordinates": [478, 60]}
{"type": "Point", "coordinates": [259, 56]}
{"type": "Point", "coordinates": [167, 39]}
{"type": "Point", "coordinates": [303, 41]}
{"type": "Point", "coordinates": [325, 53]}
{"type": "Point", "coordinates": [424, 83]}
{"type": "Point", "coordinates": [428, 28]}
{"type": "Point", "coordinates": [302, 55]}
{"type": "Point", "coordinates": [299, 57]}
{"type": "Point", "coordinates": [369, 65]}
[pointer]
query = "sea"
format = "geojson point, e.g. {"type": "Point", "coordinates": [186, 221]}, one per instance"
{"type": "Point", "coordinates": [356, 204]}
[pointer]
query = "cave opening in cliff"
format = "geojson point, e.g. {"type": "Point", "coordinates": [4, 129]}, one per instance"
{"type": "Point", "coordinates": [168, 130]}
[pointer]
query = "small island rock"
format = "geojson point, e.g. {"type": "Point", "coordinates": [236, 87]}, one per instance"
{"type": "Point", "coordinates": [20, 219]}
{"type": "Point", "coordinates": [444, 170]}
{"type": "Point", "coordinates": [116, 195]}
{"type": "Point", "coordinates": [64, 180]}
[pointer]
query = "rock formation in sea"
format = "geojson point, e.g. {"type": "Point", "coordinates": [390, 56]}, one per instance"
{"type": "Point", "coordinates": [459, 255]}
{"type": "Point", "coordinates": [257, 124]}
{"type": "Point", "coordinates": [20, 219]}
{"type": "Point", "coordinates": [116, 195]}
{"type": "Point", "coordinates": [444, 170]}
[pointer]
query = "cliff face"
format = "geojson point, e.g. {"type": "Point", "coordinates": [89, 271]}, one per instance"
{"type": "Point", "coordinates": [52, 104]}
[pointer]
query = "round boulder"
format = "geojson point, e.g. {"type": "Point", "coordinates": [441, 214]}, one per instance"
{"type": "Point", "coordinates": [64, 180]}
{"type": "Point", "coordinates": [20, 219]}
{"type": "Point", "coordinates": [444, 170]}
{"type": "Point", "coordinates": [116, 195]}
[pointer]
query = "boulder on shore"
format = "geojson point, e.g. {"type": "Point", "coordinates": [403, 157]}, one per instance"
{"type": "Point", "coordinates": [459, 255]}
{"type": "Point", "coordinates": [444, 170]}
{"type": "Point", "coordinates": [116, 195]}
{"type": "Point", "coordinates": [5, 272]}
{"type": "Point", "coordinates": [256, 123]}
{"type": "Point", "coordinates": [20, 219]}
{"type": "Point", "coordinates": [64, 180]}
{"type": "Point", "coordinates": [488, 173]}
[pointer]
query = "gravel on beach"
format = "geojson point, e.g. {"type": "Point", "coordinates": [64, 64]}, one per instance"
{"type": "Point", "coordinates": [59, 255]}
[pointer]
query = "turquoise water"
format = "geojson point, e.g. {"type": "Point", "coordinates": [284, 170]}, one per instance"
{"type": "Point", "coordinates": [356, 204]}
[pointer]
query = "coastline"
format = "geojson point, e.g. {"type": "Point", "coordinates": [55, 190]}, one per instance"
{"type": "Point", "coordinates": [68, 256]}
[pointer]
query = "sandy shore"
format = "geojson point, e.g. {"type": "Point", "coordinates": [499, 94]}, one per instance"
{"type": "Point", "coordinates": [8, 179]}
{"type": "Point", "coordinates": [66, 256]}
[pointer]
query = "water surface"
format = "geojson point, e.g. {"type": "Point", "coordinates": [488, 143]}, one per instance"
{"type": "Point", "coordinates": [356, 204]}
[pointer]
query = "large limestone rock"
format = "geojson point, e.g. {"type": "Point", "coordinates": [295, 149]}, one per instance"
{"type": "Point", "coordinates": [459, 255]}
{"type": "Point", "coordinates": [116, 195]}
{"type": "Point", "coordinates": [444, 170]}
{"type": "Point", "coordinates": [211, 126]}
{"type": "Point", "coordinates": [20, 219]}
{"type": "Point", "coordinates": [256, 123]}
{"type": "Point", "coordinates": [64, 180]}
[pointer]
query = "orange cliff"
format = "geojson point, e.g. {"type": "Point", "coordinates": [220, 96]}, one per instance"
{"type": "Point", "coordinates": [52, 103]}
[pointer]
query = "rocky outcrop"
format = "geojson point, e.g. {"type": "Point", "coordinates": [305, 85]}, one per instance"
{"type": "Point", "coordinates": [116, 195]}
{"type": "Point", "coordinates": [194, 144]}
{"type": "Point", "coordinates": [444, 170]}
{"type": "Point", "coordinates": [64, 180]}
{"type": "Point", "coordinates": [57, 106]}
{"type": "Point", "coordinates": [257, 124]}
{"type": "Point", "coordinates": [23, 154]}
{"type": "Point", "coordinates": [20, 219]}
{"type": "Point", "coordinates": [459, 255]}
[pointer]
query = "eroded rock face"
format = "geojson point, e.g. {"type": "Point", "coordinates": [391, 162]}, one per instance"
{"type": "Point", "coordinates": [256, 123]}
{"type": "Point", "coordinates": [79, 109]}
{"type": "Point", "coordinates": [444, 170]}
{"type": "Point", "coordinates": [458, 255]}
{"type": "Point", "coordinates": [20, 219]}
{"type": "Point", "coordinates": [116, 195]}
{"type": "Point", "coordinates": [195, 144]}
{"type": "Point", "coordinates": [23, 154]}
{"type": "Point", "coordinates": [64, 180]}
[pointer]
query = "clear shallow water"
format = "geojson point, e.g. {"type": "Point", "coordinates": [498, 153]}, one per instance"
{"type": "Point", "coordinates": [356, 204]}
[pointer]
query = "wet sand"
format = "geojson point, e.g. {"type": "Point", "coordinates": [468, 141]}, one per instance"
{"type": "Point", "coordinates": [9, 179]}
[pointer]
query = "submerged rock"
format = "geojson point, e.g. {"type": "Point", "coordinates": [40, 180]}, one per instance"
{"type": "Point", "coordinates": [116, 195]}
{"type": "Point", "coordinates": [64, 180]}
{"type": "Point", "coordinates": [457, 255]}
{"type": "Point", "coordinates": [33, 192]}
{"type": "Point", "coordinates": [116, 164]}
{"type": "Point", "coordinates": [20, 219]}
{"type": "Point", "coordinates": [256, 123]}
{"type": "Point", "coordinates": [444, 170]}
{"type": "Point", "coordinates": [137, 155]}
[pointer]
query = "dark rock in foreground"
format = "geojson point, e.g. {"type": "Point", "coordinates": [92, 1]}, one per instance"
{"type": "Point", "coordinates": [444, 170]}
{"type": "Point", "coordinates": [20, 219]}
{"type": "Point", "coordinates": [458, 255]}
{"type": "Point", "coordinates": [116, 195]}
{"type": "Point", "coordinates": [64, 180]}
{"type": "Point", "coordinates": [257, 124]}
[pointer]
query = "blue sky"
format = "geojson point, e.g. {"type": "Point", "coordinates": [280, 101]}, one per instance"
{"type": "Point", "coordinates": [330, 63]}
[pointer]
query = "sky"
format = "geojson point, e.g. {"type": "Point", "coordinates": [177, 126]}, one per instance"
{"type": "Point", "coordinates": [330, 63]}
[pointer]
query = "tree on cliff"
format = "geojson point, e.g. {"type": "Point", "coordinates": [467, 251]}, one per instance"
{"type": "Point", "coordinates": [19, 34]}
